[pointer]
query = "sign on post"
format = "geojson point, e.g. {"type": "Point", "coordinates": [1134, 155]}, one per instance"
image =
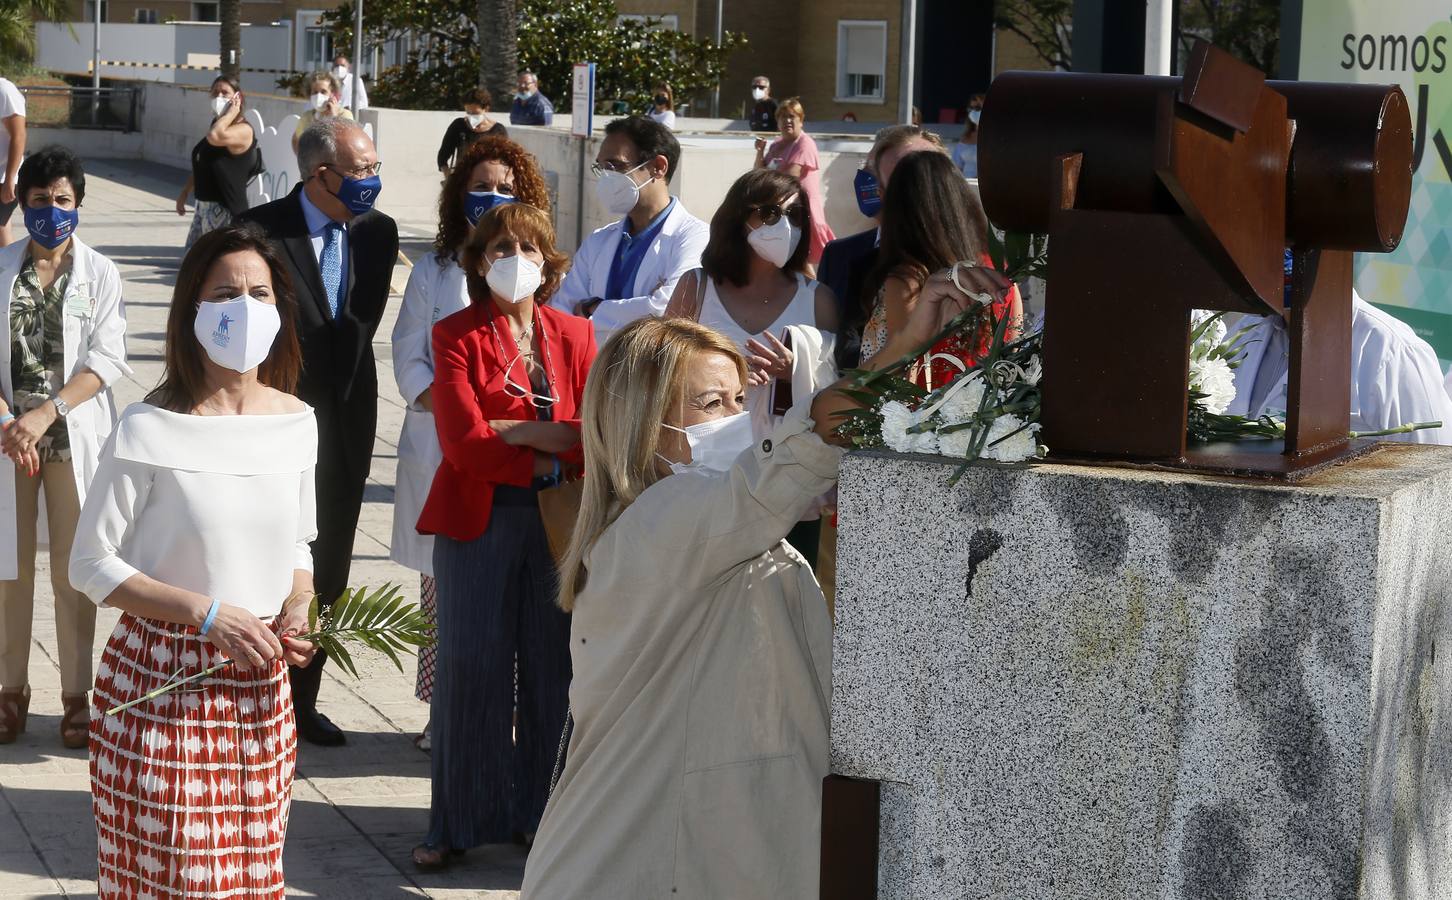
{"type": "Point", "coordinates": [582, 100]}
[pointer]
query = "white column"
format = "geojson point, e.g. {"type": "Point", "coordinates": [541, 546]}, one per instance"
{"type": "Point", "coordinates": [1159, 36]}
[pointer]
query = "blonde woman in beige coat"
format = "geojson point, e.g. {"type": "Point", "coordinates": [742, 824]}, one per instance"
{"type": "Point", "coordinates": [701, 643]}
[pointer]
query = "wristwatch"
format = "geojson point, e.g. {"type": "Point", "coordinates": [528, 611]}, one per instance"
{"type": "Point", "coordinates": [62, 408]}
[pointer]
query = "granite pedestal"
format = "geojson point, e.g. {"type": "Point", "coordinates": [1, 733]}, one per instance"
{"type": "Point", "coordinates": [1079, 682]}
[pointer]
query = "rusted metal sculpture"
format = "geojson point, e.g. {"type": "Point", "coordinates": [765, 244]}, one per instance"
{"type": "Point", "coordinates": [1163, 195]}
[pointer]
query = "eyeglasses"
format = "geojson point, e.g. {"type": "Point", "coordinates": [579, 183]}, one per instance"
{"type": "Point", "coordinates": [624, 168]}
{"type": "Point", "coordinates": [772, 214]}
{"type": "Point", "coordinates": [360, 172]}
{"type": "Point", "coordinates": [520, 392]}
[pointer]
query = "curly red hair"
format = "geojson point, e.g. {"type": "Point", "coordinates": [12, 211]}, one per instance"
{"type": "Point", "coordinates": [529, 188]}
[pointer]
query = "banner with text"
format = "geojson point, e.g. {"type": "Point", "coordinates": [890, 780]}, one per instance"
{"type": "Point", "coordinates": [1408, 43]}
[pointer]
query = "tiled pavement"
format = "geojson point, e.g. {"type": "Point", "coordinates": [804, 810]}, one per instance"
{"type": "Point", "coordinates": [358, 810]}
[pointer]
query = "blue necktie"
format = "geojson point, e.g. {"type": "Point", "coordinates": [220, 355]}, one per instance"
{"type": "Point", "coordinates": [331, 264]}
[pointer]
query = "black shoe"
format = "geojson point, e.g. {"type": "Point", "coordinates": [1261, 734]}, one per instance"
{"type": "Point", "coordinates": [316, 728]}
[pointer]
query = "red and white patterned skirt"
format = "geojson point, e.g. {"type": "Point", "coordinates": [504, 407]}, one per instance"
{"type": "Point", "coordinates": [191, 789]}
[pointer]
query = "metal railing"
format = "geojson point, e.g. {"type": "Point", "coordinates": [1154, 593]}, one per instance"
{"type": "Point", "coordinates": [106, 109]}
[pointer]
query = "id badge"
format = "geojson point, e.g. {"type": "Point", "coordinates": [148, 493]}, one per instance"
{"type": "Point", "coordinates": [80, 305]}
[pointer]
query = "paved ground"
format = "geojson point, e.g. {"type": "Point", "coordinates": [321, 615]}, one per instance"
{"type": "Point", "coordinates": [358, 810]}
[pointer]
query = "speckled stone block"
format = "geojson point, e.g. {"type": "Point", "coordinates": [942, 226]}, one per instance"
{"type": "Point", "coordinates": [1083, 682]}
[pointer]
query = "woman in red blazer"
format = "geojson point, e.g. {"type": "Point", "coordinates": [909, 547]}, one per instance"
{"type": "Point", "coordinates": [509, 374]}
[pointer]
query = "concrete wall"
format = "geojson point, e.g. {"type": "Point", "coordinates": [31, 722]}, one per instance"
{"type": "Point", "coordinates": [66, 47]}
{"type": "Point", "coordinates": [88, 144]}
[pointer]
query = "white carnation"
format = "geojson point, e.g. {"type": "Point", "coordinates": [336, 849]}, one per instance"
{"type": "Point", "coordinates": [1214, 379]}
{"type": "Point", "coordinates": [962, 405]}
{"type": "Point", "coordinates": [1019, 447]}
{"type": "Point", "coordinates": [896, 420]}
{"type": "Point", "coordinates": [956, 443]}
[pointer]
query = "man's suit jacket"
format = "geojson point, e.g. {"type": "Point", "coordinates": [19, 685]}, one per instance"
{"type": "Point", "coordinates": [845, 267]}
{"type": "Point", "coordinates": [339, 378]}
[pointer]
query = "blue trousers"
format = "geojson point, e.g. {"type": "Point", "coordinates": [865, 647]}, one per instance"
{"type": "Point", "coordinates": [496, 605]}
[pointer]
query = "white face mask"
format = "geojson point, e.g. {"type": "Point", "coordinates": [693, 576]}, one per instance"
{"type": "Point", "coordinates": [219, 105]}
{"type": "Point", "coordinates": [758, 93]}
{"type": "Point", "coordinates": [716, 444]}
{"type": "Point", "coordinates": [475, 120]}
{"type": "Point", "coordinates": [617, 191]}
{"type": "Point", "coordinates": [238, 333]}
{"type": "Point", "coordinates": [775, 243]}
{"type": "Point", "coordinates": [320, 99]}
{"type": "Point", "coordinates": [339, 72]}
{"type": "Point", "coordinates": [513, 278]}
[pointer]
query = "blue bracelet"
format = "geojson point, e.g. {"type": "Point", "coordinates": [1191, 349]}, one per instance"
{"type": "Point", "coordinates": [557, 470]}
{"type": "Point", "coordinates": [211, 615]}
{"type": "Point", "coordinates": [6, 419]}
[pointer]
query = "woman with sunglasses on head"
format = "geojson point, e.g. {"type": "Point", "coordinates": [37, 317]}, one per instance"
{"type": "Point", "coordinates": [491, 171]}
{"type": "Point", "coordinates": [751, 287]}
{"type": "Point", "coordinates": [509, 374]}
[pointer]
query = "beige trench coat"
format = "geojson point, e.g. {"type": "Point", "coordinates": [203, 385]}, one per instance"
{"type": "Point", "coordinates": [702, 654]}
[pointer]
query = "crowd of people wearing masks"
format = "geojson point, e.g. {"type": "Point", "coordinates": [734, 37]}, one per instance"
{"type": "Point", "coordinates": [644, 702]}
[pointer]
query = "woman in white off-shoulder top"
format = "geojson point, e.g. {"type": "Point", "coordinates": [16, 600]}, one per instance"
{"type": "Point", "coordinates": [197, 527]}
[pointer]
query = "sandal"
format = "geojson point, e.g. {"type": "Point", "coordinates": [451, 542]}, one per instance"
{"type": "Point", "coordinates": [75, 725]}
{"type": "Point", "coordinates": [14, 707]}
{"type": "Point", "coordinates": [432, 858]}
{"type": "Point", "coordinates": [424, 741]}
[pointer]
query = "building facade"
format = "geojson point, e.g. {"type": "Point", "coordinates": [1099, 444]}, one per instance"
{"type": "Point", "coordinates": [843, 57]}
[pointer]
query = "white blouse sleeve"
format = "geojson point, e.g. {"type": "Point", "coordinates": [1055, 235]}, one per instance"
{"type": "Point", "coordinates": [307, 519]}
{"type": "Point", "coordinates": [117, 495]}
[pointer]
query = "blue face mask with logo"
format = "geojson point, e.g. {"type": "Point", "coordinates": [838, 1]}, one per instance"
{"type": "Point", "coordinates": [869, 201]}
{"type": "Point", "coordinates": [478, 203]}
{"type": "Point", "coordinates": [51, 226]}
{"type": "Point", "coordinates": [359, 194]}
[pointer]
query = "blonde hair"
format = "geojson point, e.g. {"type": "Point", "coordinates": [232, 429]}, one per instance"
{"type": "Point", "coordinates": [791, 105]}
{"type": "Point", "coordinates": [637, 379]}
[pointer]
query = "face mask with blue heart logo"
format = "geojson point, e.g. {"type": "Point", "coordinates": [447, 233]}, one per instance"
{"type": "Point", "coordinates": [477, 203]}
{"type": "Point", "coordinates": [359, 194]}
{"type": "Point", "coordinates": [869, 199]}
{"type": "Point", "coordinates": [51, 226]}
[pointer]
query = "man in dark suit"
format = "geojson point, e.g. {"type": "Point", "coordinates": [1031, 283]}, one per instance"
{"type": "Point", "coordinates": [340, 254]}
{"type": "Point", "coordinates": [847, 263]}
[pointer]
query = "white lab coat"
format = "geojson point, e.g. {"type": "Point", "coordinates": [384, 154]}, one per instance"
{"type": "Point", "coordinates": [676, 251]}
{"type": "Point", "coordinates": [433, 293]}
{"type": "Point", "coordinates": [1395, 376]}
{"type": "Point", "coordinates": [347, 99]}
{"type": "Point", "coordinates": [94, 338]}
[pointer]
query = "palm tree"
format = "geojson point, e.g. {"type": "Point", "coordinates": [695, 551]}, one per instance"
{"type": "Point", "coordinates": [498, 49]}
{"type": "Point", "coordinates": [17, 24]}
{"type": "Point", "coordinates": [230, 34]}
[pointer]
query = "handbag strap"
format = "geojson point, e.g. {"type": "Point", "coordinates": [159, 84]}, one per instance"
{"type": "Point", "coordinates": [560, 754]}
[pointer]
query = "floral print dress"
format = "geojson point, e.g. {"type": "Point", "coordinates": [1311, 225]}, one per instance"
{"type": "Point", "coordinates": [37, 353]}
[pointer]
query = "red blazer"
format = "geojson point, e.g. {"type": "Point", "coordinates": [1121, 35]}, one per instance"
{"type": "Point", "coordinates": [469, 390]}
